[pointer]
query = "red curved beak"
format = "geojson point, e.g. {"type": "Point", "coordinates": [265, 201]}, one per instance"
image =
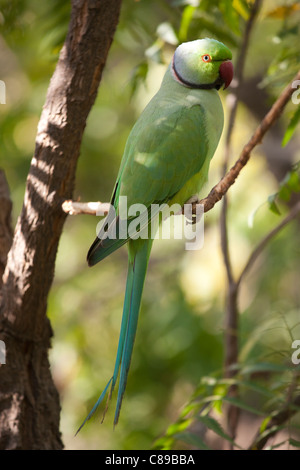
{"type": "Point", "coordinates": [226, 72]}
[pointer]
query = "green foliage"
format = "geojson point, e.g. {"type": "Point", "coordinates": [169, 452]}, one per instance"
{"type": "Point", "coordinates": [286, 61]}
{"type": "Point", "coordinates": [287, 187]}
{"type": "Point", "coordinates": [291, 127]}
{"type": "Point", "coordinates": [195, 19]}
{"type": "Point", "coordinates": [212, 395]}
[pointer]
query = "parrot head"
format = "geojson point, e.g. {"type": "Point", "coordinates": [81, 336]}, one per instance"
{"type": "Point", "coordinates": [204, 63]}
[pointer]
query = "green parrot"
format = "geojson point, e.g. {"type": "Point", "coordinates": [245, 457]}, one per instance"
{"type": "Point", "coordinates": [166, 161]}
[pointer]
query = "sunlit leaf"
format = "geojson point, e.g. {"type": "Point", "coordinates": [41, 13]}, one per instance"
{"type": "Point", "coordinates": [230, 15]}
{"type": "Point", "coordinates": [264, 424]}
{"type": "Point", "coordinates": [186, 19]}
{"type": "Point", "coordinates": [241, 8]}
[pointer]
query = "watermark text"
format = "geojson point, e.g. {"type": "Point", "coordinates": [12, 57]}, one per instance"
{"type": "Point", "coordinates": [2, 352]}
{"type": "Point", "coordinates": [154, 222]}
{"type": "Point", "coordinates": [2, 92]}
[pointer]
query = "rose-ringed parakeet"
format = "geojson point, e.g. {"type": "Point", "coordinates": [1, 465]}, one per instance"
{"type": "Point", "coordinates": [166, 160]}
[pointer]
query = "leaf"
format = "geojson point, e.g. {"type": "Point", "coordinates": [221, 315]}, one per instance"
{"type": "Point", "coordinates": [190, 407]}
{"type": "Point", "coordinates": [275, 446]}
{"type": "Point", "coordinates": [165, 31]}
{"type": "Point", "coordinates": [294, 181]}
{"type": "Point", "coordinates": [291, 127]}
{"type": "Point", "coordinates": [230, 16]}
{"type": "Point", "coordinates": [294, 443]}
{"type": "Point", "coordinates": [139, 75]}
{"type": "Point", "coordinates": [192, 440]}
{"type": "Point", "coordinates": [284, 193]}
{"type": "Point", "coordinates": [252, 215]}
{"type": "Point", "coordinates": [272, 430]}
{"type": "Point", "coordinates": [178, 427]}
{"type": "Point", "coordinates": [256, 388]}
{"type": "Point", "coordinates": [264, 424]}
{"type": "Point", "coordinates": [239, 404]}
{"type": "Point", "coordinates": [272, 204]}
{"type": "Point", "coordinates": [215, 426]}
{"type": "Point", "coordinates": [186, 19]}
{"type": "Point", "coordinates": [163, 443]}
{"type": "Point", "coordinates": [241, 8]}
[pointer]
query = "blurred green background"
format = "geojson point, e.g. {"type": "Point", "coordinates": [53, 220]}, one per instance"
{"type": "Point", "coordinates": [180, 332]}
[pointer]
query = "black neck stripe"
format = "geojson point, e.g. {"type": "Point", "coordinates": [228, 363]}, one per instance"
{"type": "Point", "coordinates": [204, 86]}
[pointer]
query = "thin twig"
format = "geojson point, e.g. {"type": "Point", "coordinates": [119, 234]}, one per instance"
{"type": "Point", "coordinates": [295, 210]}
{"type": "Point", "coordinates": [91, 208]}
{"type": "Point", "coordinates": [220, 189]}
{"type": "Point", "coordinates": [231, 346]}
{"type": "Point", "coordinates": [233, 97]}
{"type": "Point", "coordinates": [232, 102]}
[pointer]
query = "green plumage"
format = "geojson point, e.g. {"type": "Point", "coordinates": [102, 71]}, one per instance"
{"type": "Point", "coordinates": [166, 160]}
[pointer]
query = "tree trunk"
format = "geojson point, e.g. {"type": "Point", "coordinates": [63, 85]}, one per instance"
{"type": "Point", "coordinates": [29, 402]}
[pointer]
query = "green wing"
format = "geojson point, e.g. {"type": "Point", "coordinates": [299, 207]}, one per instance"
{"type": "Point", "coordinates": [162, 155]}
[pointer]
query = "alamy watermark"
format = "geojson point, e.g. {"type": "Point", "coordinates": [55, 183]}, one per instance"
{"type": "Point", "coordinates": [2, 352]}
{"type": "Point", "coordinates": [138, 221]}
{"type": "Point", "coordinates": [296, 354]}
{"type": "Point", "coordinates": [2, 92]}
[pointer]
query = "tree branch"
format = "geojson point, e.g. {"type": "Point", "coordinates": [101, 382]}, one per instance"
{"type": "Point", "coordinates": [91, 208]}
{"type": "Point", "coordinates": [280, 417]}
{"type": "Point", "coordinates": [294, 212]}
{"type": "Point", "coordinates": [29, 403]}
{"type": "Point", "coordinates": [220, 189]}
{"type": "Point", "coordinates": [231, 321]}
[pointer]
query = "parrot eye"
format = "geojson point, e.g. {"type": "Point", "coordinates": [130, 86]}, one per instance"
{"type": "Point", "coordinates": [206, 58]}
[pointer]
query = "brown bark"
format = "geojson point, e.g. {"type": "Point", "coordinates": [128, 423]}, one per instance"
{"type": "Point", "coordinates": [29, 402]}
{"type": "Point", "coordinates": [5, 223]}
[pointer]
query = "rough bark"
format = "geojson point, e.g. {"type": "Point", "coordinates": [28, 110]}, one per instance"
{"type": "Point", "coordinates": [5, 223]}
{"type": "Point", "coordinates": [29, 402]}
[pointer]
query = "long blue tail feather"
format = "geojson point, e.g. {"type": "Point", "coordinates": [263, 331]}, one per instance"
{"type": "Point", "coordinates": [139, 251]}
{"type": "Point", "coordinates": [98, 402]}
{"type": "Point", "coordinates": [137, 268]}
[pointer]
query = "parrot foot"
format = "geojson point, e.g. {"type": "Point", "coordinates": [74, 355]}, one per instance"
{"type": "Point", "coordinates": [192, 217]}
